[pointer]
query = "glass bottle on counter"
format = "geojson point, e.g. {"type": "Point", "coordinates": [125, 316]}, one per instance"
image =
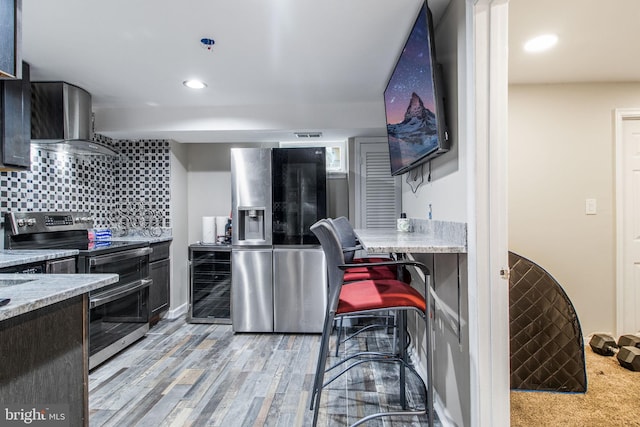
{"type": "Point", "coordinates": [227, 232]}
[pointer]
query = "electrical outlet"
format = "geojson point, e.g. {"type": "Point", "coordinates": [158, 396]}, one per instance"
{"type": "Point", "coordinates": [591, 207]}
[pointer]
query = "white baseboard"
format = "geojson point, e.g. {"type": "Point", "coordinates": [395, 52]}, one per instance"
{"type": "Point", "coordinates": [177, 312]}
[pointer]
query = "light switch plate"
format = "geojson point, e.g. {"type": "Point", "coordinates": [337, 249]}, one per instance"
{"type": "Point", "coordinates": [591, 207]}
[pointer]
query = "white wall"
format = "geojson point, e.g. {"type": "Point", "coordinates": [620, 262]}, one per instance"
{"type": "Point", "coordinates": [447, 193]}
{"type": "Point", "coordinates": [561, 152]}
{"type": "Point", "coordinates": [179, 253]}
{"type": "Point", "coordinates": [209, 185]}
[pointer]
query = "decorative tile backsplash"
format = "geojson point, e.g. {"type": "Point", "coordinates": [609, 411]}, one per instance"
{"type": "Point", "coordinates": [138, 177]}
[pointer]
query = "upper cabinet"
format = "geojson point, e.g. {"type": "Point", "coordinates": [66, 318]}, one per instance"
{"type": "Point", "coordinates": [10, 39]}
{"type": "Point", "coordinates": [15, 122]}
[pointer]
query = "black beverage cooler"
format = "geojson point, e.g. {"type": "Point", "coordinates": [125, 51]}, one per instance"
{"type": "Point", "coordinates": [209, 284]}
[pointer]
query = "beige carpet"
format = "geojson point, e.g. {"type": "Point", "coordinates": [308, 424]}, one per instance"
{"type": "Point", "coordinates": [612, 399]}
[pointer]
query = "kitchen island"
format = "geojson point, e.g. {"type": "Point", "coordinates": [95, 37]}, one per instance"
{"type": "Point", "coordinates": [44, 345]}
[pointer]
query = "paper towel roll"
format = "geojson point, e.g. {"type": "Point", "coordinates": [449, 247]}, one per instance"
{"type": "Point", "coordinates": [208, 229]}
{"type": "Point", "coordinates": [221, 223]}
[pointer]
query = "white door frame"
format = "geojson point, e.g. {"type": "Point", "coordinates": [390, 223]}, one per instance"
{"type": "Point", "coordinates": [487, 62]}
{"type": "Point", "coordinates": [622, 289]}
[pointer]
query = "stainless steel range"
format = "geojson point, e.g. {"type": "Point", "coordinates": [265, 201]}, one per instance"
{"type": "Point", "coordinates": [119, 314]}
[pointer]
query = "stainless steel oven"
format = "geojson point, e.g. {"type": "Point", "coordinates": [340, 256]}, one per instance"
{"type": "Point", "coordinates": [119, 313]}
{"type": "Point", "coordinates": [118, 318]}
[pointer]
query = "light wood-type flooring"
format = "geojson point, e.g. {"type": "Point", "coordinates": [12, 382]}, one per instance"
{"type": "Point", "coordinates": [185, 374]}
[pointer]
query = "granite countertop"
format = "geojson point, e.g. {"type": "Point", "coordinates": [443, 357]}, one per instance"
{"type": "Point", "coordinates": [428, 237]}
{"type": "Point", "coordinates": [12, 257]}
{"type": "Point", "coordinates": [140, 238]}
{"type": "Point", "coordinates": [210, 245]}
{"type": "Point", "coordinates": [34, 291]}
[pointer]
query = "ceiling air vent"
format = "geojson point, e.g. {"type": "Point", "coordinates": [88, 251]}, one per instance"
{"type": "Point", "coordinates": [308, 134]}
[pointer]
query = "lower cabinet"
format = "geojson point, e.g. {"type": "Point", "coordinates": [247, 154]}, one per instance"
{"type": "Point", "coordinates": [159, 271]}
{"type": "Point", "coordinates": [61, 266]}
{"type": "Point", "coordinates": [44, 362]}
{"type": "Point", "coordinates": [52, 266]}
{"type": "Point", "coordinates": [209, 284]}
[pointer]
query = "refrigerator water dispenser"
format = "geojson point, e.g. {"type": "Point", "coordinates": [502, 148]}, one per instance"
{"type": "Point", "coordinates": [251, 223]}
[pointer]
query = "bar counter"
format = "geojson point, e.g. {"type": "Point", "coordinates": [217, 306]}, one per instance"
{"type": "Point", "coordinates": [428, 237]}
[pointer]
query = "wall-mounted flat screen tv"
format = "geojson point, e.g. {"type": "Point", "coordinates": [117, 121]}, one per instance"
{"type": "Point", "coordinates": [414, 109]}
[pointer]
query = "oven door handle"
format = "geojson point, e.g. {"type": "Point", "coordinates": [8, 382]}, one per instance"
{"type": "Point", "coordinates": [118, 256]}
{"type": "Point", "coordinates": [119, 292]}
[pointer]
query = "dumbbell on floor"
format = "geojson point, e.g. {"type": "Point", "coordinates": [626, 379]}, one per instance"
{"type": "Point", "coordinates": [626, 340]}
{"type": "Point", "coordinates": [627, 349]}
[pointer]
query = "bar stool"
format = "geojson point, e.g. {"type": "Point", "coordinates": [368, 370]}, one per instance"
{"type": "Point", "coordinates": [368, 296]}
{"type": "Point", "coordinates": [350, 245]}
{"type": "Point", "coordinates": [349, 242]}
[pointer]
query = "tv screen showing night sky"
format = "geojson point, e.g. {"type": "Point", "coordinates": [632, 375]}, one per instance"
{"type": "Point", "coordinates": [410, 102]}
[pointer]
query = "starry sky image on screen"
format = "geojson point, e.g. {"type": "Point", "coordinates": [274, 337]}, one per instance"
{"type": "Point", "coordinates": [409, 100]}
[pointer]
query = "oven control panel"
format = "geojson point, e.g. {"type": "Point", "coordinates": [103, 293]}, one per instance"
{"type": "Point", "coordinates": [53, 220]}
{"type": "Point", "coordinates": [42, 222]}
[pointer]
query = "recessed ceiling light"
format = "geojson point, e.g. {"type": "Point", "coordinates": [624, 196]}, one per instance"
{"type": "Point", "coordinates": [194, 84]}
{"type": "Point", "coordinates": [540, 43]}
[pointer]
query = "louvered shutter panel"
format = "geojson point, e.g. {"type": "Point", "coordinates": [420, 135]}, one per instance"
{"type": "Point", "coordinates": [380, 191]}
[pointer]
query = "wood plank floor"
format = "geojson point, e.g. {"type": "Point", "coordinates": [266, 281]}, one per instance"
{"type": "Point", "coordinates": [184, 374]}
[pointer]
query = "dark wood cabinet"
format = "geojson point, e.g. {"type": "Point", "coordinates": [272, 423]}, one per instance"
{"type": "Point", "coordinates": [44, 361]}
{"type": "Point", "coordinates": [159, 270]}
{"type": "Point", "coordinates": [10, 38]}
{"type": "Point", "coordinates": [61, 266]}
{"type": "Point", "coordinates": [51, 266]}
{"type": "Point", "coordinates": [15, 122]}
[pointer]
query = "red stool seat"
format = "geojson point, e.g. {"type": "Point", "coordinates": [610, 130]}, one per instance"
{"type": "Point", "coordinates": [380, 272]}
{"type": "Point", "coordinates": [365, 273]}
{"type": "Point", "coordinates": [378, 295]}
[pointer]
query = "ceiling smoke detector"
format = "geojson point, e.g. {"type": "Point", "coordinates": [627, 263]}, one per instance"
{"type": "Point", "coordinates": [308, 134]}
{"type": "Point", "coordinates": [207, 43]}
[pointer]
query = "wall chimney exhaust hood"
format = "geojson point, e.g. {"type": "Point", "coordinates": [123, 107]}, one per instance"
{"type": "Point", "coordinates": [61, 120]}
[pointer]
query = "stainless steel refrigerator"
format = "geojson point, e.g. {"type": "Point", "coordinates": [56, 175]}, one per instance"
{"type": "Point", "coordinates": [278, 267]}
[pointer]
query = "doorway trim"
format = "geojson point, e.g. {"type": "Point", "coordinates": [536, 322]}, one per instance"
{"type": "Point", "coordinates": [488, 218]}
{"type": "Point", "coordinates": [621, 114]}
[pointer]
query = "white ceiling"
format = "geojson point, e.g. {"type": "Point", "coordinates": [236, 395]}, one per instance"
{"type": "Point", "coordinates": [598, 42]}
{"type": "Point", "coordinates": [280, 66]}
